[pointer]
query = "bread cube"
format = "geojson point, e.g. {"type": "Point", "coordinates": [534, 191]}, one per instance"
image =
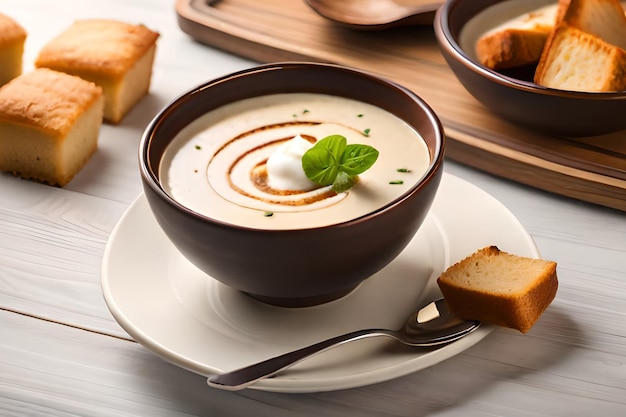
{"type": "Point", "coordinates": [115, 55]}
{"type": "Point", "coordinates": [605, 19]}
{"type": "Point", "coordinates": [578, 61]}
{"type": "Point", "coordinates": [49, 125]}
{"type": "Point", "coordinates": [500, 288]}
{"type": "Point", "coordinates": [12, 39]}
{"type": "Point", "coordinates": [518, 41]}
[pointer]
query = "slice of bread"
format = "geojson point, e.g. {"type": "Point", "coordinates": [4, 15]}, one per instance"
{"type": "Point", "coordinates": [586, 50]}
{"type": "Point", "coordinates": [115, 55]}
{"type": "Point", "coordinates": [602, 18]}
{"type": "Point", "coordinates": [500, 288]}
{"type": "Point", "coordinates": [579, 61]}
{"type": "Point", "coordinates": [49, 125]}
{"type": "Point", "coordinates": [518, 41]}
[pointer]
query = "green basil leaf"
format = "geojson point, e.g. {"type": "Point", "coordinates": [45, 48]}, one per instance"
{"type": "Point", "coordinates": [321, 162]}
{"type": "Point", "coordinates": [357, 159]}
{"type": "Point", "coordinates": [331, 161]}
{"type": "Point", "coordinates": [335, 144]}
{"type": "Point", "coordinates": [320, 166]}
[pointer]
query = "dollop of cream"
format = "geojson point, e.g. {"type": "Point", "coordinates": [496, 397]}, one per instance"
{"type": "Point", "coordinates": [284, 166]}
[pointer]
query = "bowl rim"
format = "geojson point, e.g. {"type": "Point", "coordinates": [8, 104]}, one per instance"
{"type": "Point", "coordinates": [448, 41]}
{"type": "Point", "coordinates": [150, 179]}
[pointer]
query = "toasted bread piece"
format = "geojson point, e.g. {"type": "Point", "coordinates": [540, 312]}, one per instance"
{"type": "Point", "coordinates": [500, 288]}
{"type": "Point", "coordinates": [518, 41]}
{"type": "Point", "coordinates": [115, 55]}
{"type": "Point", "coordinates": [602, 18]}
{"type": "Point", "coordinates": [578, 61]}
{"type": "Point", "coordinates": [511, 48]}
{"type": "Point", "coordinates": [49, 125]}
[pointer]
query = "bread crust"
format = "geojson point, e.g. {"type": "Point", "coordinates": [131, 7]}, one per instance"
{"type": "Point", "coordinates": [12, 39]}
{"type": "Point", "coordinates": [511, 48]}
{"type": "Point", "coordinates": [579, 61]}
{"type": "Point", "coordinates": [517, 42]}
{"type": "Point", "coordinates": [104, 48]}
{"type": "Point", "coordinates": [602, 18]}
{"type": "Point", "coordinates": [117, 56]}
{"type": "Point", "coordinates": [49, 123]}
{"type": "Point", "coordinates": [47, 100]}
{"type": "Point", "coordinates": [11, 32]}
{"type": "Point", "coordinates": [516, 308]}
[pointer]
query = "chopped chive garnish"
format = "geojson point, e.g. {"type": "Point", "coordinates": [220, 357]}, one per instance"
{"type": "Point", "coordinates": [359, 115]}
{"type": "Point", "coordinates": [268, 214]}
{"type": "Point", "coordinates": [397, 182]}
{"type": "Point", "coordinates": [404, 170]}
{"type": "Point", "coordinates": [295, 115]}
{"type": "Point", "coordinates": [366, 132]}
{"type": "Point", "coordinates": [198, 147]}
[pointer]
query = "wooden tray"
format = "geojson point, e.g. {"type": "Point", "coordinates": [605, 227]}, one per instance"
{"type": "Point", "coordinates": [590, 169]}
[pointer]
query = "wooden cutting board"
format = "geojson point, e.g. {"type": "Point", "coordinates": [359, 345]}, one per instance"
{"type": "Point", "coordinates": [591, 169]}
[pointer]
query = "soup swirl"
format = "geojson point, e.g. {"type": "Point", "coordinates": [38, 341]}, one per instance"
{"type": "Point", "coordinates": [216, 166]}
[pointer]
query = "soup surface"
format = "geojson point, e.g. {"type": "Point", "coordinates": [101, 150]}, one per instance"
{"type": "Point", "coordinates": [216, 165]}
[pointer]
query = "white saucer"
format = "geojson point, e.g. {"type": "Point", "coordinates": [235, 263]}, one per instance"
{"type": "Point", "coordinates": [195, 322]}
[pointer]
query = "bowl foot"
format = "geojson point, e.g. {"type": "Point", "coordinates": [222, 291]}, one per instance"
{"type": "Point", "coordinates": [298, 302]}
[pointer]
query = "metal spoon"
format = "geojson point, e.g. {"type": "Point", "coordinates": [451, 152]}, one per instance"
{"type": "Point", "coordinates": [376, 14]}
{"type": "Point", "coordinates": [432, 325]}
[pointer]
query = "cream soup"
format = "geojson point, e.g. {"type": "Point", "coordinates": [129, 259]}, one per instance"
{"type": "Point", "coordinates": [216, 165]}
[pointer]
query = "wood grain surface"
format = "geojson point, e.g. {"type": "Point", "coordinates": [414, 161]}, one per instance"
{"type": "Point", "coordinates": [591, 169]}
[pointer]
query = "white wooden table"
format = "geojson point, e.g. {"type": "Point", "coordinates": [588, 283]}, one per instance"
{"type": "Point", "coordinates": [62, 353]}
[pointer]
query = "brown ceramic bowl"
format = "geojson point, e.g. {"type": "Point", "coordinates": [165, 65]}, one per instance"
{"type": "Point", "coordinates": [296, 267]}
{"type": "Point", "coordinates": [514, 96]}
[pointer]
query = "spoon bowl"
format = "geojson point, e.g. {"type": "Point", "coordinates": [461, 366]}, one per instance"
{"type": "Point", "coordinates": [433, 325]}
{"type": "Point", "coordinates": [376, 14]}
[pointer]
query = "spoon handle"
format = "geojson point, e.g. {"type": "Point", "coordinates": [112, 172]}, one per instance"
{"type": "Point", "coordinates": [243, 377]}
